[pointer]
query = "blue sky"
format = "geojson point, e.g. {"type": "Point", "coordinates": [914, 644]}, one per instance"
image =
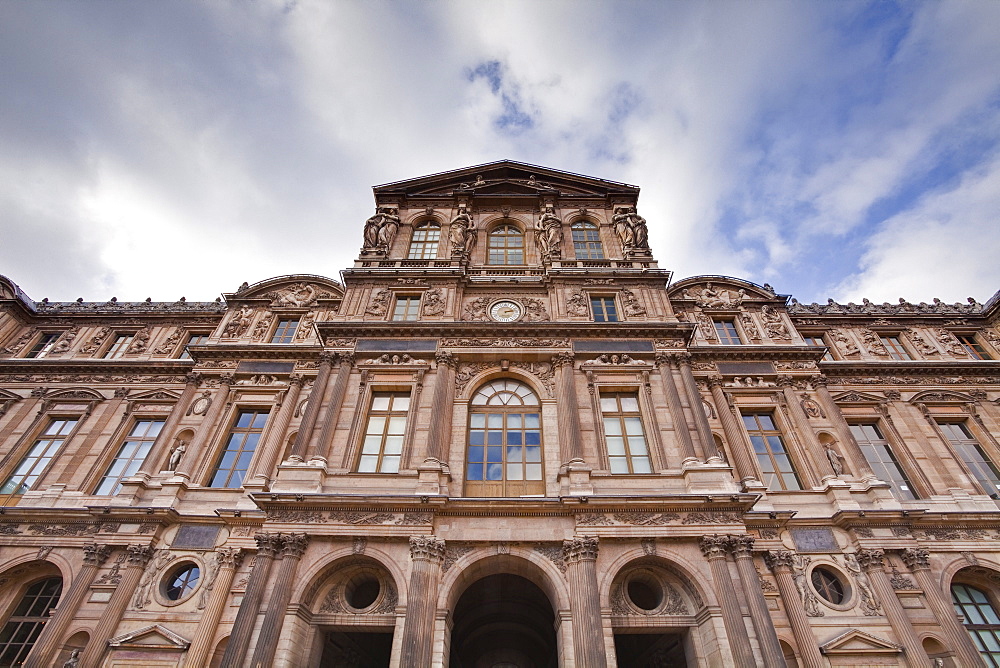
{"type": "Point", "coordinates": [831, 149]}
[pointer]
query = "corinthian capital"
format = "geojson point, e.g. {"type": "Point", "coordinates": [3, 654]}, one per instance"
{"type": "Point", "coordinates": [138, 555]}
{"type": "Point", "coordinates": [94, 554]}
{"type": "Point", "coordinates": [579, 548]}
{"type": "Point", "coordinates": [714, 547]}
{"type": "Point", "coordinates": [426, 548]}
{"type": "Point", "coordinates": [446, 359]}
{"type": "Point", "coordinates": [818, 380]}
{"type": "Point", "coordinates": [916, 558]}
{"type": "Point", "coordinates": [560, 360]}
{"type": "Point", "coordinates": [293, 544]}
{"type": "Point", "coordinates": [871, 559]}
{"type": "Point", "coordinates": [268, 544]}
{"type": "Point", "coordinates": [715, 380]}
{"type": "Point", "coordinates": [778, 559]}
{"type": "Point", "coordinates": [741, 546]}
{"type": "Point", "coordinates": [229, 557]}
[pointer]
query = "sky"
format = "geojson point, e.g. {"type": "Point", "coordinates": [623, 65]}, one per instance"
{"type": "Point", "coordinates": [832, 149]}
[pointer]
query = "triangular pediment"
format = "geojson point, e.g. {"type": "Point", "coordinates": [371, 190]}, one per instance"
{"type": "Point", "coordinates": [506, 177]}
{"type": "Point", "coordinates": [855, 397]}
{"type": "Point", "coordinates": [858, 642]}
{"type": "Point", "coordinates": [150, 637]}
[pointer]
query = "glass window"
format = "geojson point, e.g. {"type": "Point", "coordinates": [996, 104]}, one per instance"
{"type": "Point", "coordinates": [587, 241]}
{"type": "Point", "coordinates": [424, 244]}
{"type": "Point", "coordinates": [769, 447]}
{"type": "Point", "coordinates": [727, 333]}
{"type": "Point", "coordinates": [382, 448]}
{"type": "Point", "coordinates": [506, 245]}
{"type": "Point", "coordinates": [971, 453]}
{"type": "Point", "coordinates": [879, 455]}
{"type": "Point", "coordinates": [240, 446]}
{"type": "Point", "coordinates": [130, 456]}
{"type": "Point", "coordinates": [975, 349]}
{"type": "Point", "coordinates": [624, 435]}
{"type": "Point", "coordinates": [504, 455]}
{"type": "Point", "coordinates": [194, 339]}
{"type": "Point", "coordinates": [44, 345]}
{"type": "Point", "coordinates": [23, 627]}
{"type": "Point", "coordinates": [182, 582]}
{"type": "Point", "coordinates": [38, 458]}
{"type": "Point", "coordinates": [895, 347]}
{"type": "Point", "coordinates": [407, 308]}
{"type": "Point", "coordinates": [816, 340]}
{"type": "Point", "coordinates": [828, 585]}
{"type": "Point", "coordinates": [119, 346]}
{"type": "Point", "coordinates": [285, 331]}
{"type": "Point", "coordinates": [980, 619]}
{"type": "Point", "coordinates": [604, 309]}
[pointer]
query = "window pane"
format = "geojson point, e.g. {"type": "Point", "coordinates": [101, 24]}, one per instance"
{"type": "Point", "coordinates": [769, 448]}
{"type": "Point", "coordinates": [240, 447]}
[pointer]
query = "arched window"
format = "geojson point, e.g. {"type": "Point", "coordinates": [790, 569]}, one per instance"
{"type": "Point", "coordinates": [506, 245]}
{"type": "Point", "coordinates": [587, 241]}
{"type": "Point", "coordinates": [424, 244]}
{"type": "Point", "coordinates": [504, 456]}
{"type": "Point", "coordinates": [981, 619]}
{"type": "Point", "coordinates": [23, 627]}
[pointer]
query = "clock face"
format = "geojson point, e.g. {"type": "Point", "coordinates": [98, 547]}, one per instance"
{"type": "Point", "coordinates": [505, 311]}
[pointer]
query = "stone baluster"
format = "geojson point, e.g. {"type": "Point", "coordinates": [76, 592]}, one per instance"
{"type": "Point", "coordinates": [666, 363]}
{"type": "Point", "coordinates": [138, 557]}
{"type": "Point", "coordinates": [308, 423]}
{"type": "Point", "coordinates": [319, 445]}
{"type": "Point", "coordinates": [871, 563]}
{"type": "Point", "coordinates": [704, 430]}
{"type": "Point", "coordinates": [569, 411]}
{"type": "Point", "coordinates": [580, 556]}
{"type": "Point", "coordinates": [271, 448]}
{"type": "Point", "coordinates": [228, 560]}
{"type": "Point", "coordinates": [859, 464]}
{"type": "Point", "coordinates": [439, 430]}
{"type": "Point", "coordinates": [292, 548]}
{"type": "Point", "coordinates": [781, 563]}
{"type": "Point", "coordinates": [51, 638]}
{"type": "Point", "coordinates": [919, 563]}
{"type": "Point", "coordinates": [246, 618]}
{"type": "Point", "coordinates": [714, 548]}
{"type": "Point", "coordinates": [739, 445]}
{"type": "Point", "coordinates": [155, 460]}
{"type": "Point", "coordinates": [741, 548]}
{"type": "Point", "coordinates": [426, 555]}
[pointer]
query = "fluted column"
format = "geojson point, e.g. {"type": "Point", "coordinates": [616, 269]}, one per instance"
{"type": "Point", "coordinates": [51, 638]}
{"type": "Point", "coordinates": [270, 449]}
{"type": "Point", "coordinates": [138, 557]}
{"type": "Point", "coordinates": [714, 548]}
{"type": "Point", "coordinates": [580, 555]}
{"type": "Point", "coordinates": [666, 362]}
{"type": "Point", "coordinates": [308, 423]}
{"type": "Point", "coordinates": [154, 461]}
{"type": "Point", "coordinates": [858, 462]}
{"type": "Point", "coordinates": [318, 446]}
{"type": "Point", "coordinates": [568, 410]}
{"type": "Point", "coordinates": [292, 548]}
{"type": "Point", "coordinates": [780, 562]}
{"type": "Point", "coordinates": [426, 555]}
{"type": "Point", "coordinates": [209, 420]}
{"type": "Point", "coordinates": [239, 639]}
{"type": "Point", "coordinates": [738, 444]}
{"type": "Point", "coordinates": [742, 550]}
{"type": "Point", "coordinates": [919, 563]}
{"type": "Point", "coordinates": [814, 451]}
{"type": "Point", "coordinates": [871, 562]}
{"type": "Point", "coordinates": [228, 560]}
{"type": "Point", "coordinates": [704, 430]}
{"type": "Point", "coordinates": [439, 430]}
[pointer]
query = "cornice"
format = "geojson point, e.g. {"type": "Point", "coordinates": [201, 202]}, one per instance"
{"type": "Point", "coordinates": [256, 351]}
{"type": "Point", "coordinates": [475, 329]}
{"type": "Point", "coordinates": [756, 352]}
{"type": "Point", "coordinates": [909, 367]}
{"type": "Point", "coordinates": [95, 366]}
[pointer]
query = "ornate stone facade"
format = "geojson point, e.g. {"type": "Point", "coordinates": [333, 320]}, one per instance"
{"type": "Point", "coordinates": [505, 439]}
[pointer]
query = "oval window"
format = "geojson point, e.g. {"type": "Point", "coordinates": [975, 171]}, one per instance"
{"type": "Point", "coordinates": [828, 585]}
{"type": "Point", "coordinates": [182, 582]}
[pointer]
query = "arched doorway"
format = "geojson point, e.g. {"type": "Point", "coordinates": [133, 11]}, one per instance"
{"type": "Point", "coordinates": [503, 621]}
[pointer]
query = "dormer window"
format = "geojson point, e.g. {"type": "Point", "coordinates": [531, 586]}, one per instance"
{"type": "Point", "coordinates": [424, 244]}
{"type": "Point", "coordinates": [587, 241]}
{"type": "Point", "coordinates": [506, 245]}
{"type": "Point", "coordinates": [285, 332]}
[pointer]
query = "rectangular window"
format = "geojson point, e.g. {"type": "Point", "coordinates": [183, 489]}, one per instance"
{"type": "Point", "coordinates": [769, 447]}
{"type": "Point", "coordinates": [604, 309]}
{"type": "Point", "coordinates": [971, 453]}
{"type": "Point", "coordinates": [193, 340]}
{"type": "Point", "coordinates": [816, 340]}
{"type": "Point", "coordinates": [879, 455]}
{"type": "Point", "coordinates": [407, 308]}
{"type": "Point", "coordinates": [130, 456]}
{"type": "Point", "coordinates": [895, 347]}
{"type": "Point", "coordinates": [240, 446]}
{"type": "Point", "coordinates": [975, 349]}
{"type": "Point", "coordinates": [727, 333]}
{"type": "Point", "coordinates": [119, 346]}
{"type": "Point", "coordinates": [383, 444]}
{"type": "Point", "coordinates": [285, 332]}
{"type": "Point", "coordinates": [623, 433]}
{"type": "Point", "coordinates": [44, 345]}
{"type": "Point", "coordinates": [38, 458]}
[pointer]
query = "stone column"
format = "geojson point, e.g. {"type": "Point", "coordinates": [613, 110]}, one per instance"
{"type": "Point", "coordinates": [319, 444]}
{"type": "Point", "coordinates": [270, 449]}
{"type": "Point", "coordinates": [308, 423]}
{"type": "Point", "coordinates": [439, 430]}
{"type": "Point", "coordinates": [780, 562]}
{"type": "Point", "coordinates": [49, 640]}
{"type": "Point", "coordinates": [228, 560]}
{"type": "Point", "coordinates": [714, 548]}
{"type": "Point", "coordinates": [210, 420]}
{"type": "Point", "coordinates": [666, 362]}
{"type": "Point", "coordinates": [813, 450]}
{"type": "Point", "coordinates": [292, 547]}
{"type": "Point", "coordinates": [580, 555]}
{"type": "Point", "coordinates": [155, 460]}
{"type": "Point", "coordinates": [239, 639]}
{"type": "Point", "coordinates": [697, 409]}
{"type": "Point", "coordinates": [871, 562]}
{"type": "Point", "coordinates": [859, 465]}
{"type": "Point", "coordinates": [738, 443]}
{"type": "Point", "coordinates": [919, 563]}
{"type": "Point", "coordinates": [569, 412]}
{"type": "Point", "coordinates": [426, 555]}
{"type": "Point", "coordinates": [138, 556]}
{"type": "Point", "coordinates": [742, 550]}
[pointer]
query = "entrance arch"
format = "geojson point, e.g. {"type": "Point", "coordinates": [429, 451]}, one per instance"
{"type": "Point", "coordinates": [503, 621]}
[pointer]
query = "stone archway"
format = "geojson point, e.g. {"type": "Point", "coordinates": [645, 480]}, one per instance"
{"type": "Point", "coordinates": [503, 621]}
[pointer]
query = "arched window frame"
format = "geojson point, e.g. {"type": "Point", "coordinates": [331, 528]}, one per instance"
{"type": "Point", "coordinates": [425, 240]}
{"type": "Point", "coordinates": [511, 251]}
{"type": "Point", "coordinates": [48, 593]}
{"type": "Point", "coordinates": [587, 243]}
{"type": "Point", "coordinates": [972, 611]}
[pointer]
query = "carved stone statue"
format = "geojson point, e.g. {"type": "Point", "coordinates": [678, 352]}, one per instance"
{"type": "Point", "coordinates": [380, 229]}
{"type": "Point", "coordinates": [548, 233]}
{"type": "Point", "coordinates": [836, 460]}
{"type": "Point", "coordinates": [809, 602]}
{"type": "Point", "coordinates": [73, 661]}
{"type": "Point", "coordinates": [631, 229]}
{"type": "Point", "coordinates": [462, 232]}
{"type": "Point", "coordinates": [869, 603]}
{"type": "Point", "coordinates": [240, 323]}
{"type": "Point", "coordinates": [176, 454]}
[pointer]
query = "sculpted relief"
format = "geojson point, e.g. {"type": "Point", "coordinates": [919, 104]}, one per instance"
{"type": "Point", "coordinates": [711, 297]}
{"type": "Point", "coordinates": [380, 230]}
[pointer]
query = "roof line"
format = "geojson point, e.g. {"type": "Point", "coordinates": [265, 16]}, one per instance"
{"type": "Point", "coordinates": [513, 162]}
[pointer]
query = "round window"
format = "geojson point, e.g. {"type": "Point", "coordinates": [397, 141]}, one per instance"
{"type": "Point", "coordinates": [644, 592]}
{"type": "Point", "coordinates": [828, 585]}
{"type": "Point", "coordinates": [182, 582]}
{"type": "Point", "coordinates": [363, 591]}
